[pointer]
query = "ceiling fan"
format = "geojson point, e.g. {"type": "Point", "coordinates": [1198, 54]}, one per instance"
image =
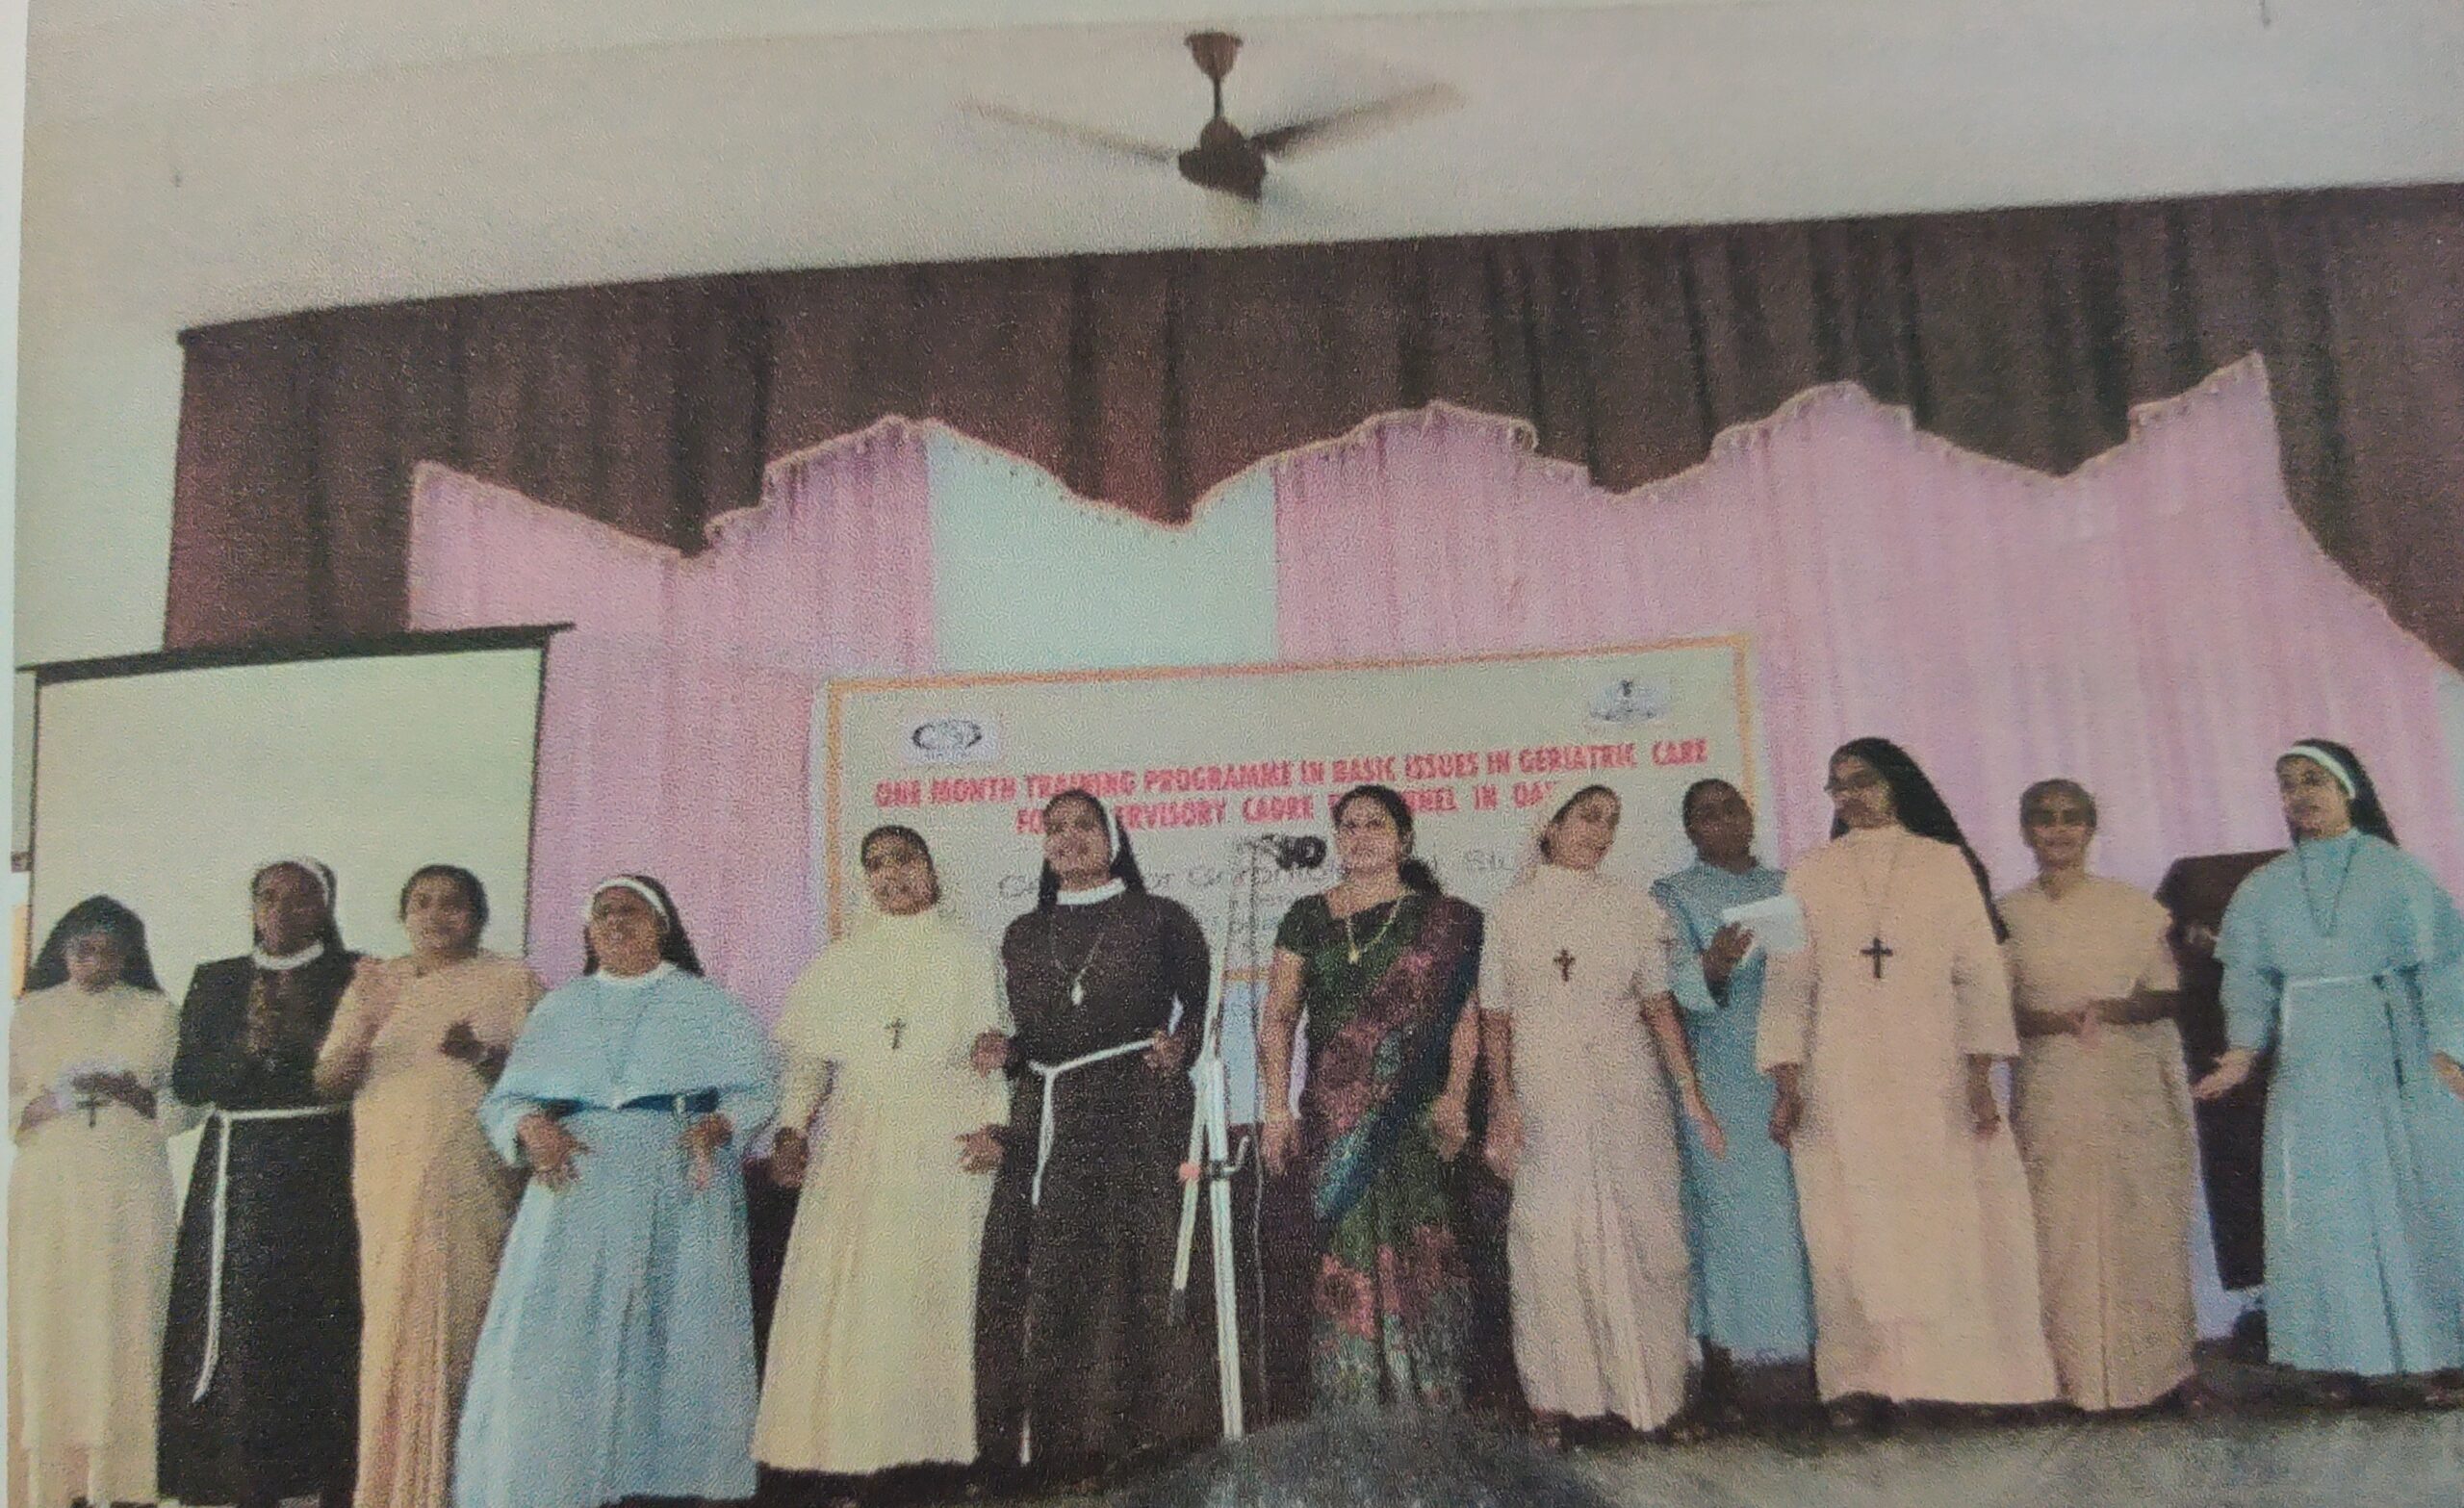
{"type": "Point", "coordinates": [1227, 158]}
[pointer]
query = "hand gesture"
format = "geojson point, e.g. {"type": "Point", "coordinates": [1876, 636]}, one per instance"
{"type": "Point", "coordinates": [1165, 1052]}
{"type": "Point", "coordinates": [1983, 1110]}
{"type": "Point", "coordinates": [2198, 939]}
{"type": "Point", "coordinates": [463, 1044]}
{"type": "Point", "coordinates": [1788, 1113]}
{"type": "Point", "coordinates": [41, 1108]}
{"type": "Point", "coordinates": [1278, 1139]}
{"type": "Point", "coordinates": [1450, 1123]}
{"type": "Point", "coordinates": [980, 1150]}
{"type": "Point", "coordinates": [551, 1149]}
{"type": "Point", "coordinates": [701, 1141]}
{"type": "Point", "coordinates": [1503, 1150]}
{"type": "Point", "coordinates": [789, 1157]}
{"type": "Point", "coordinates": [1727, 949]}
{"type": "Point", "coordinates": [2449, 1073]}
{"type": "Point", "coordinates": [991, 1054]}
{"type": "Point", "coordinates": [2232, 1071]}
{"type": "Point", "coordinates": [2088, 1025]}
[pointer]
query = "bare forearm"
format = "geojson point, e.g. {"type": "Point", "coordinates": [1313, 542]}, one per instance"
{"type": "Point", "coordinates": [1676, 1053]}
{"type": "Point", "coordinates": [1274, 1056]}
{"type": "Point", "coordinates": [1497, 1054]}
{"type": "Point", "coordinates": [1463, 1053]}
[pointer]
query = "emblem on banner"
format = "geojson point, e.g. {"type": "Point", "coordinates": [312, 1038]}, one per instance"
{"type": "Point", "coordinates": [951, 740]}
{"type": "Point", "coordinates": [1627, 700]}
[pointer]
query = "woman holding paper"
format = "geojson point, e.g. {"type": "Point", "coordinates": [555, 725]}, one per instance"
{"type": "Point", "coordinates": [1588, 1067]}
{"type": "Point", "coordinates": [1751, 1295]}
{"type": "Point", "coordinates": [2101, 1109]}
{"type": "Point", "coordinates": [90, 1213]}
{"type": "Point", "coordinates": [2346, 959]}
{"type": "Point", "coordinates": [1883, 1034]}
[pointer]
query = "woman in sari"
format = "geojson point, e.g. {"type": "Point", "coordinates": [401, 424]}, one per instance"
{"type": "Point", "coordinates": [1378, 969]}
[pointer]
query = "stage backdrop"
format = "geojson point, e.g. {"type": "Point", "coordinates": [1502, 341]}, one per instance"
{"type": "Point", "coordinates": [1194, 763]}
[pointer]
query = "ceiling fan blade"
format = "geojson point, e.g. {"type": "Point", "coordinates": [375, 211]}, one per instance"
{"type": "Point", "coordinates": [1094, 137]}
{"type": "Point", "coordinates": [1356, 120]}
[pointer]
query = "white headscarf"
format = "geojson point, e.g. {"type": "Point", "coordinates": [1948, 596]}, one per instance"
{"type": "Point", "coordinates": [1532, 858]}
{"type": "Point", "coordinates": [2328, 762]}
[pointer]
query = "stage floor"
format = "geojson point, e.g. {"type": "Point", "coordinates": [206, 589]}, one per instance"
{"type": "Point", "coordinates": [2356, 1458]}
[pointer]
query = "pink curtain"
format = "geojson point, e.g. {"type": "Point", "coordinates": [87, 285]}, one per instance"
{"type": "Point", "coordinates": [2157, 624]}
{"type": "Point", "coordinates": [675, 735]}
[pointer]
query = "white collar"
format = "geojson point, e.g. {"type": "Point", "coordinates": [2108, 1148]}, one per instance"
{"type": "Point", "coordinates": [290, 960]}
{"type": "Point", "coordinates": [1094, 897]}
{"type": "Point", "coordinates": [656, 971]}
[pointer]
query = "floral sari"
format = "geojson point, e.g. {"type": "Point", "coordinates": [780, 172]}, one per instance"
{"type": "Point", "coordinates": [1393, 1293]}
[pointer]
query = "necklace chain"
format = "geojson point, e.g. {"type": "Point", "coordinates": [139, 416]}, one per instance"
{"type": "Point", "coordinates": [1881, 903]}
{"type": "Point", "coordinates": [2335, 902]}
{"type": "Point", "coordinates": [1077, 978]}
{"type": "Point", "coordinates": [1353, 944]}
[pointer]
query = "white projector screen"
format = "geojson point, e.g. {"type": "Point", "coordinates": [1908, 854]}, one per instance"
{"type": "Point", "coordinates": [165, 780]}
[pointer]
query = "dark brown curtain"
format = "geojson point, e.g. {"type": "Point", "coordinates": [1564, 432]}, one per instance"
{"type": "Point", "coordinates": [1146, 379]}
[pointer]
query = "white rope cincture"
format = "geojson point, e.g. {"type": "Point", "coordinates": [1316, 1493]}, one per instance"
{"type": "Point", "coordinates": [1052, 1073]}
{"type": "Point", "coordinates": [223, 1120]}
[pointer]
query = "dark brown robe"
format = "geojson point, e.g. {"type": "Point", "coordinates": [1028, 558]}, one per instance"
{"type": "Point", "coordinates": [279, 1415]}
{"type": "Point", "coordinates": [1076, 1358]}
{"type": "Point", "coordinates": [2196, 891]}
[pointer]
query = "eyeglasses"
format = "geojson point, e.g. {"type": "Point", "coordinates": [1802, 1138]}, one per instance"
{"type": "Point", "coordinates": [1854, 783]}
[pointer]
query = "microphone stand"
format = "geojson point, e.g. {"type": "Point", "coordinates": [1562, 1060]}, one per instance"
{"type": "Point", "coordinates": [1212, 1160]}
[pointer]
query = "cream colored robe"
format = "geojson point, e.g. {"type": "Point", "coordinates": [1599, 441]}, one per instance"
{"type": "Point", "coordinates": [872, 1346]}
{"type": "Point", "coordinates": [1596, 1240]}
{"type": "Point", "coordinates": [434, 1202]}
{"type": "Point", "coordinates": [1919, 1232]}
{"type": "Point", "coordinates": [2105, 1132]}
{"type": "Point", "coordinates": [90, 1224]}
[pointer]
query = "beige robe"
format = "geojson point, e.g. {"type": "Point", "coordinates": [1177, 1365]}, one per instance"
{"type": "Point", "coordinates": [90, 1224]}
{"type": "Point", "coordinates": [2105, 1133]}
{"type": "Point", "coordinates": [434, 1201]}
{"type": "Point", "coordinates": [1596, 1240]}
{"type": "Point", "coordinates": [872, 1346]}
{"type": "Point", "coordinates": [1918, 1231]}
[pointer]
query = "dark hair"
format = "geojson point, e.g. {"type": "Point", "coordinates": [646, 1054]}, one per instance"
{"type": "Point", "coordinates": [2058, 785]}
{"type": "Point", "coordinates": [1560, 815]}
{"type": "Point", "coordinates": [1920, 809]}
{"type": "Point", "coordinates": [1415, 873]}
{"type": "Point", "coordinates": [321, 875]}
{"type": "Point", "coordinates": [896, 830]}
{"type": "Point", "coordinates": [474, 892]}
{"type": "Point", "coordinates": [675, 946]}
{"type": "Point", "coordinates": [1685, 803]}
{"type": "Point", "coordinates": [1402, 1460]}
{"type": "Point", "coordinates": [94, 913]}
{"type": "Point", "coordinates": [2367, 813]}
{"type": "Point", "coordinates": [1124, 861]}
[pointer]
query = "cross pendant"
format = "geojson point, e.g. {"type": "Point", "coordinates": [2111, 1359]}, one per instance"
{"type": "Point", "coordinates": [897, 1032]}
{"type": "Point", "coordinates": [90, 1104]}
{"type": "Point", "coordinates": [1565, 963]}
{"type": "Point", "coordinates": [1877, 951]}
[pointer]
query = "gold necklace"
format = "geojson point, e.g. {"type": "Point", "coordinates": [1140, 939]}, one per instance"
{"type": "Point", "coordinates": [1352, 945]}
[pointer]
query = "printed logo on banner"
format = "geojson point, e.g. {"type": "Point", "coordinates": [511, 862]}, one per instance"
{"type": "Point", "coordinates": [1627, 700]}
{"type": "Point", "coordinates": [951, 740]}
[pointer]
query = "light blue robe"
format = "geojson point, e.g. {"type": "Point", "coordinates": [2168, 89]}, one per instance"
{"type": "Point", "coordinates": [2352, 986]}
{"type": "Point", "coordinates": [1752, 1292]}
{"type": "Point", "coordinates": [617, 1357]}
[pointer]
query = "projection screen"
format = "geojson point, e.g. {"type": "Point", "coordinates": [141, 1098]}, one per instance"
{"type": "Point", "coordinates": [164, 780]}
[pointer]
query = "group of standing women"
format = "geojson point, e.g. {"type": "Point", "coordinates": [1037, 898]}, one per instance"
{"type": "Point", "coordinates": [1770, 1152]}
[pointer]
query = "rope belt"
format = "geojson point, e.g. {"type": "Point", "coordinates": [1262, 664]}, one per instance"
{"type": "Point", "coordinates": [1052, 1073]}
{"type": "Point", "coordinates": [224, 1118]}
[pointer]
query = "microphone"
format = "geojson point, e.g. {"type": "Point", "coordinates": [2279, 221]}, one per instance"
{"type": "Point", "coordinates": [1307, 851]}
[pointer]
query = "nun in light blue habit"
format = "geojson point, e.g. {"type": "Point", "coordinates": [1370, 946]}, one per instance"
{"type": "Point", "coordinates": [2344, 959]}
{"type": "Point", "coordinates": [617, 1357]}
{"type": "Point", "coordinates": [1752, 1297]}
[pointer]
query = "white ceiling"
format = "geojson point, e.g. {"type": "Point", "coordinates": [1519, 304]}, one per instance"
{"type": "Point", "coordinates": [189, 161]}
